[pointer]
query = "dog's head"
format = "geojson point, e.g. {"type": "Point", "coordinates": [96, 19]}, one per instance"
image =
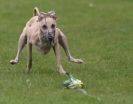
{"type": "Point", "coordinates": [47, 23]}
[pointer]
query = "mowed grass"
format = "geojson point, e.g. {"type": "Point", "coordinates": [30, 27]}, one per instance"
{"type": "Point", "coordinates": [99, 31]}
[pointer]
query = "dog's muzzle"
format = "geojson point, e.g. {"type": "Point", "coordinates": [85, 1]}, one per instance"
{"type": "Point", "coordinates": [50, 36]}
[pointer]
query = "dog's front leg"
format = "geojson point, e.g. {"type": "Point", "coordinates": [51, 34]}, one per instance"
{"type": "Point", "coordinates": [29, 61]}
{"type": "Point", "coordinates": [21, 43]}
{"type": "Point", "coordinates": [64, 44]}
{"type": "Point", "coordinates": [58, 61]}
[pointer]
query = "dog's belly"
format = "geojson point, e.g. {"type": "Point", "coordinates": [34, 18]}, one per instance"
{"type": "Point", "coordinates": [43, 47]}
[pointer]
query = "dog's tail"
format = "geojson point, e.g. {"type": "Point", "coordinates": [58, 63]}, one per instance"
{"type": "Point", "coordinates": [36, 11]}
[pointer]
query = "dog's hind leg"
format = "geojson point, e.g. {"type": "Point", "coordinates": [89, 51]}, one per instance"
{"type": "Point", "coordinates": [64, 44]}
{"type": "Point", "coordinates": [21, 43]}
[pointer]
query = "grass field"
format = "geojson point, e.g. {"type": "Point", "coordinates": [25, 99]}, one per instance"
{"type": "Point", "coordinates": [99, 31]}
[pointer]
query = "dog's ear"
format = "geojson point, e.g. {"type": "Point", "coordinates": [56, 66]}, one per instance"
{"type": "Point", "coordinates": [41, 16]}
{"type": "Point", "coordinates": [52, 14]}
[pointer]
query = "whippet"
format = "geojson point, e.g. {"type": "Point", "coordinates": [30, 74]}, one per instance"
{"type": "Point", "coordinates": [41, 31]}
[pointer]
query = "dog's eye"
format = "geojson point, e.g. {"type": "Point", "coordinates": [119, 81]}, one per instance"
{"type": "Point", "coordinates": [53, 26]}
{"type": "Point", "coordinates": [44, 27]}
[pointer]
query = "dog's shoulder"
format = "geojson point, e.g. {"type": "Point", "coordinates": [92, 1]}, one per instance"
{"type": "Point", "coordinates": [58, 30]}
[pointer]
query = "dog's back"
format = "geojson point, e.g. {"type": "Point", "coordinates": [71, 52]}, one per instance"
{"type": "Point", "coordinates": [34, 19]}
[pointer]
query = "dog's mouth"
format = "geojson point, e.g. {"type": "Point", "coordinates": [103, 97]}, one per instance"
{"type": "Point", "coordinates": [50, 38]}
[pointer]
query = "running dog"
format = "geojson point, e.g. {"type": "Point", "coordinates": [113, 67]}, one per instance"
{"type": "Point", "coordinates": [41, 31]}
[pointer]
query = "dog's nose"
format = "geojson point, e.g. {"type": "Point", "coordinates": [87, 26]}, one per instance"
{"type": "Point", "coordinates": [50, 36]}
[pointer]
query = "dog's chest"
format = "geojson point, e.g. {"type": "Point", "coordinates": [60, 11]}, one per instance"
{"type": "Point", "coordinates": [43, 46]}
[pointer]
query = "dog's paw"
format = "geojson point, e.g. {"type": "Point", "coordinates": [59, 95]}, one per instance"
{"type": "Point", "coordinates": [79, 61]}
{"type": "Point", "coordinates": [13, 62]}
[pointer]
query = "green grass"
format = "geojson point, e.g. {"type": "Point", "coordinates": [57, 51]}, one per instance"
{"type": "Point", "coordinates": [101, 35]}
